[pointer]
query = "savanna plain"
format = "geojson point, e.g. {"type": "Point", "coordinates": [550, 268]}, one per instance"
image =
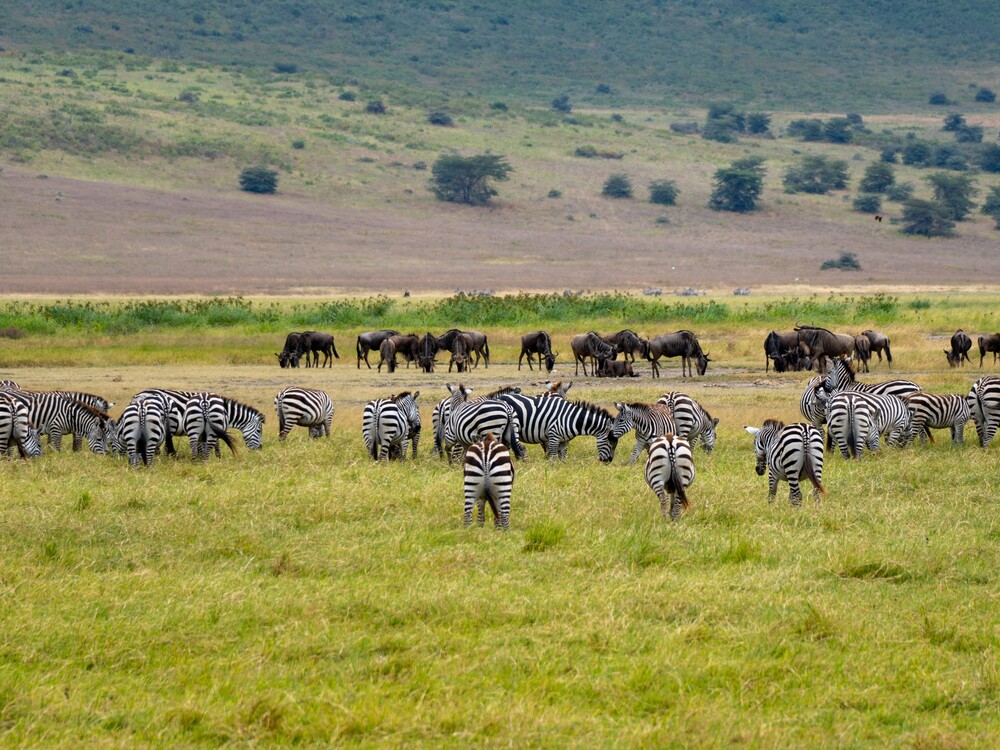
{"type": "Point", "coordinates": [304, 595]}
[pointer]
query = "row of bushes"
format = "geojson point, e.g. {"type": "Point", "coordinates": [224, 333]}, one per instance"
{"type": "Point", "coordinates": [527, 310]}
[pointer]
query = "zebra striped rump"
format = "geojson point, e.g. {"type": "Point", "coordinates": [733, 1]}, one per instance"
{"type": "Point", "coordinates": [488, 478]}
{"type": "Point", "coordinates": [669, 472]}
{"type": "Point", "coordinates": [789, 453]}
{"type": "Point", "coordinates": [984, 404]}
{"type": "Point", "coordinates": [305, 407]}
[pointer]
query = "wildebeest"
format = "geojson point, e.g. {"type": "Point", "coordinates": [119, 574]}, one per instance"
{"type": "Point", "coordinates": [989, 343]}
{"type": "Point", "coordinates": [539, 343]}
{"type": "Point", "coordinates": [783, 350]}
{"type": "Point", "coordinates": [461, 352]}
{"type": "Point", "coordinates": [683, 344]}
{"type": "Point", "coordinates": [387, 354]}
{"type": "Point", "coordinates": [591, 346]}
{"type": "Point", "coordinates": [879, 341]}
{"type": "Point", "coordinates": [427, 349]}
{"type": "Point", "coordinates": [480, 346]}
{"type": "Point", "coordinates": [821, 344]}
{"type": "Point", "coordinates": [863, 350]}
{"type": "Point", "coordinates": [614, 369]}
{"type": "Point", "coordinates": [960, 345]}
{"type": "Point", "coordinates": [371, 340]}
{"type": "Point", "coordinates": [406, 346]}
{"type": "Point", "coordinates": [629, 343]}
{"type": "Point", "coordinates": [315, 342]}
{"type": "Point", "coordinates": [289, 356]}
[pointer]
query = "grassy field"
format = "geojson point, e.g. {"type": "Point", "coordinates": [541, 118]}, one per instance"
{"type": "Point", "coordinates": [301, 595]}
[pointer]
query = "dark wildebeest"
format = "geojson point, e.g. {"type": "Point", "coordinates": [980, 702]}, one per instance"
{"type": "Point", "coordinates": [480, 346]}
{"type": "Point", "coordinates": [539, 343]}
{"type": "Point", "coordinates": [289, 356]}
{"type": "Point", "coordinates": [683, 344]}
{"type": "Point", "coordinates": [821, 344]}
{"type": "Point", "coordinates": [462, 347]}
{"type": "Point", "coordinates": [879, 341]}
{"type": "Point", "coordinates": [863, 350]}
{"type": "Point", "coordinates": [316, 342]}
{"type": "Point", "coordinates": [590, 345]}
{"type": "Point", "coordinates": [960, 345]}
{"type": "Point", "coordinates": [406, 346]}
{"type": "Point", "coordinates": [371, 341]}
{"type": "Point", "coordinates": [628, 343]}
{"type": "Point", "coordinates": [613, 369]}
{"type": "Point", "coordinates": [783, 349]}
{"type": "Point", "coordinates": [427, 349]}
{"type": "Point", "coordinates": [989, 343]}
{"type": "Point", "coordinates": [387, 353]}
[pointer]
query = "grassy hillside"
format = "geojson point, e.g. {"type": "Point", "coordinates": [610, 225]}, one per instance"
{"type": "Point", "coordinates": [804, 55]}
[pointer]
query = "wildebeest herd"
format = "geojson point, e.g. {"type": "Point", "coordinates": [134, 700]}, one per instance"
{"type": "Point", "coordinates": [486, 431]}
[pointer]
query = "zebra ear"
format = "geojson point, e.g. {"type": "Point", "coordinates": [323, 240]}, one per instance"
{"type": "Point", "coordinates": [568, 386]}
{"type": "Point", "coordinates": [619, 406]}
{"type": "Point", "coordinates": [415, 394]}
{"type": "Point", "coordinates": [715, 421]}
{"type": "Point", "coordinates": [751, 430]}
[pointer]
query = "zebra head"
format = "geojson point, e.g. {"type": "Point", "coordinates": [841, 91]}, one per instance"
{"type": "Point", "coordinates": [762, 439]}
{"type": "Point", "coordinates": [97, 438]}
{"type": "Point", "coordinates": [253, 433]}
{"type": "Point", "coordinates": [624, 422]}
{"type": "Point", "coordinates": [31, 444]}
{"type": "Point", "coordinates": [708, 434]}
{"type": "Point", "coordinates": [407, 403]}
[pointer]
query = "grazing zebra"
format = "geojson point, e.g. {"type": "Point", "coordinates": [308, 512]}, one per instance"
{"type": "Point", "coordinates": [649, 421]}
{"type": "Point", "coordinates": [935, 410]}
{"type": "Point", "coordinates": [669, 472]}
{"type": "Point", "coordinates": [390, 424]}
{"type": "Point", "coordinates": [984, 403]}
{"type": "Point", "coordinates": [9, 385]}
{"type": "Point", "coordinates": [52, 414]}
{"type": "Point", "coordinates": [16, 429]}
{"type": "Point", "coordinates": [205, 418]}
{"type": "Point", "coordinates": [552, 422]}
{"type": "Point", "coordinates": [142, 427]}
{"type": "Point", "coordinates": [789, 453]}
{"type": "Point", "coordinates": [841, 377]}
{"type": "Point", "coordinates": [851, 421]}
{"type": "Point", "coordinates": [305, 407]}
{"type": "Point", "coordinates": [247, 420]}
{"type": "Point", "coordinates": [489, 478]}
{"type": "Point", "coordinates": [442, 412]}
{"type": "Point", "coordinates": [470, 420]}
{"type": "Point", "coordinates": [691, 419]}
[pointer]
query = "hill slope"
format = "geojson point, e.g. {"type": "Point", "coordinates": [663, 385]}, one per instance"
{"type": "Point", "coordinates": [860, 54]}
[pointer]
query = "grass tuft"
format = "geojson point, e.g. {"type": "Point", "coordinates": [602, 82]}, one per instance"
{"type": "Point", "coordinates": [543, 535]}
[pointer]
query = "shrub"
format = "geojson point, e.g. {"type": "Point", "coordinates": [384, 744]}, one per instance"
{"type": "Point", "coordinates": [663, 192]}
{"type": "Point", "coordinates": [738, 187]}
{"type": "Point", "coordinates": [938, 98]}
{"type": "Point", "coordinates": [989, 158]}
{"type": "Point", "coordinates": [258, 180]}
{"type": "Point", "coordinates": [376, 107]}
{"type": "Point", "coordinates": [969, 134]}
{"type": "Point", "coordinates": [719, 132]}
{"type": "Point", "coordinates": [954, 192]}
{"type": "Point", "coordinates": [806, 129]}
{"type": "Point", "coordinates": [953, 122]}
{"type": "Point", "coordinates": [617, 186]}
{"type": "Point", "coordinates": [562, 104]}
{"type": "Point", "coordinates": [499, 106]}
{"type": "Point", "coordinates": [466, 179]}
{"type": "Point", "coordinates": [838, 130]}
{"type": "Point", "coordinates": [900, 192]}
{"type": "Point", "coordinates": [758, 123]}
{"type": "Point", "coordinates": [438, 117]}
{"type": "Point", "coordinates": [817, 175]}
{"type": "Point", "coordinates": [298, 145]}
{"type": "Point", "coordinates": [589, 152]}
{"type": "Point", "coordinates": [888, 155]}
{"type": "Point", "coordinates": [347, 96]}
{"type": "Point", "coordinates": [553, 193]}
{"type": "Point", "coordinates": [188, 96]}
{"type": "Point", "coordinates": [986, 95]}
{"type": "Point", "coordinates": [927, 218]}
{"type": "Point", "coordinates": [878, 178]}
{"type": "Point", "coordinates": [917, 154]}
{"type": "Point", "coordinates": [869, 203]}
{"type": "Point", "coordinates": [846, 262]}
{"type": "Point", "coordinates": [603, 88]}
{"type": "Point", "coordinates": [685, 128]}
{"type": "Point", "coordinates": [287, 68]}
{"type": "Point", "coordinates": [723, 123]}
{"type": "Point", "coordinates": [991, 206]}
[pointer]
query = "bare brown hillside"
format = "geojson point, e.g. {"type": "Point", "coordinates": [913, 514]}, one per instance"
{"type": "Point", "coordinates": [61, 235]}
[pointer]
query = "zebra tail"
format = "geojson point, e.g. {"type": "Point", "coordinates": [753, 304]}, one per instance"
{"type": "Point", "coordinates": [810, 470]}
{"type": "Point", "coordinates": [888, 352]}
{"type": "Point", "coordinates": [678, 486]}
{"type": "Point", "coordinates": [224, 437]}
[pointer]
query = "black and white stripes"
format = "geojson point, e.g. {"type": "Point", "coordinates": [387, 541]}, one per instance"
{"type": "Point", "coordinates": [488, 478]}
{"type": "Point", "coordinates": [789, 453]}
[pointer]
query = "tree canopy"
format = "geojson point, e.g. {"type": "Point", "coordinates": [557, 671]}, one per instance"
{"type": "Point", "coordinates": [466, 179]}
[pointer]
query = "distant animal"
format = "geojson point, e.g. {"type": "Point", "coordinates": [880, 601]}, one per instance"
{"type": "Point", "coordinates": [789, 453]}
{"type": "Point", "coordinates": [387, 354]}
{"type": "Point", "coordinates": [427, 349]}
{"type": "Point", "coordinates": [369, 341]}
{"type": "Point", "coordinates": [862, 350]}
{"type": "Point", "coordinates": [316, 343]}
{"type": "Point", "coordinates": [937, 411]}
{"type": "Point", "coordinates": [984, 403]}
{"type": "Point", "coordinates": [683, 344]}
{"type": "Point", "coordinates": [822, 345]}
{"type": "Point", "coordinates": [306, 407]}
{"type": "Point", "coordinates": [960, 345]}
{"type": "Point", "coordinates": [591, 347]}
{"type": "Point", "coordinates": [691, 420]}
{"type": "Point", "coordinates": [782, 349]}
{"type": "Point", "coordinates": [461, 351]}
{"type": "Point", "coordinates": [878, 218]}
{"type": "Point", "coordinates": [615, 369]}
{"type": "Point", "coordinates": [540, 343]}
{"type": "Point", "coordinates": [628, 343]}
{"type": "Point", "coordinates": [648, 420]}
{"type": "Point", "coordinates": [488, 478]}
{"type": "Point", "coordinates": [879, 342]}
{"type": "Point", "coordinates": [289, 355]}
{"type": "Point", "coordinates": [989, 344]}
{"type": "Point", "coordinates": [669, 473]}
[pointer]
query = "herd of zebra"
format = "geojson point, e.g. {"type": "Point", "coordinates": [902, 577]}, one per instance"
{"type": "Point", "coordinates": [486, 430]}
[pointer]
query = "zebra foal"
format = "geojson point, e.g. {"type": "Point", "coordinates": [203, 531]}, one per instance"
{"type": "Point", "coordinates": [648, 420]}
{"type": "Point", "coordinates": [937, 411]}
{"type": "Point", "coordinates": [789, 453]}
{"type": "Point", "coordinates": [692, 421]}
{"type": "Point", "coordinates": [669, 473]}
{"type": "Point", "coordinates": [488, 478]}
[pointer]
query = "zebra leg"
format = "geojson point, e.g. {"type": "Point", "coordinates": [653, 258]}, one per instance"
{"type": "Point", "coordinates": [55, 438]}
{"type": "Point", "coordinates": [470, 501]}
{"type": "Point", "coordinates": [404, 445]}
{"type": "Point", "coordinates": [77, 442]}
{"type": "Point", "coordinates": [772, 486]}
{"type": "Point", "coordinates": [416, 439]}
{"type": "Point", "coordinates": [552, 446]}
{"type": "Point", "coordinates": [639, 446]}
{"type": "Point", "coordinates": [794, 492]}
{"type": "Point", "coordinates": [481, 509]}
{"type": "Point", "coordinates": [675, 507]}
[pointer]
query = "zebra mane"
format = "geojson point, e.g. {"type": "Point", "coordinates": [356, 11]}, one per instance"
{"type": "Point", "coordinates": [399, 396]}
{"type": "Point", "coordinates": [644, 407]}
{"type": "Point", "coordinates": [849, 369]}
{"type": "Point", "coordinates": [775, 423]}
{"type": "Point", "coordinates": [504, 391]}
{"type": "Point", "coordinates": [245, 406]}
{"type": "Point", "coordinates": [592, 408]}
{"type": "Point", "coordinates": [102, 415]}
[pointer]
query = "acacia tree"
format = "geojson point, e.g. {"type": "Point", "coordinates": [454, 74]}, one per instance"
{"type": "Point", "coordinates": [738, 186]}
{"type": "Point", "coordinates": [991, 206]}
{"type": "Point", "coordinates": [954, 192]}
{"type": "Point", "coordinates": [878, 178]}
{"type": "Point", "coordinates": [466, 179]}
{"type": "Point", "coordinates": [928, 218]}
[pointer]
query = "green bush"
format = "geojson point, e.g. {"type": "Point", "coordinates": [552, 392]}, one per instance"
{"type": "Point", "coordinates": [900, 192]}
{"type": "Point", "coordinates": [258, 180]}
{"type": "Point", "coordinates": [869, 203]}
{"type": "Point", "coordinates": [663, 192]}
{"type": "Point", "coordinates": [466, 179]}
{"type": "Point", "coordinates": [846, 262]}
{"type": "Point", "coordinates": [879, 177]}
{"type": "Point", "coordinates": [991, 206]}
{"type": "Point", "coordinates": [376, 107]}
{"type": "Point", "coordinates": [617, 186]}
{"type": "Point", "coordinates": [938, 98]}
{"type": "Point", "coordinates": [439, 117]}
{"type": "Point", "coordinates": [927, 218]}
{"type": "Point", "coordinates": [817, 175]}
{"type": "Point", "coordinates": [986, 95]}
{"type": "Point", "coordinates": [738, 187]}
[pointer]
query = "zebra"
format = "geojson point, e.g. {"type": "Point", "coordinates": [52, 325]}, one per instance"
{"type": "Point", "coordinates": [489, 478]}
{"type": "Point", "coordinates": [305, 407]}
{"type": "Point", "coordinates": [789, 453]}
{"type": "Point", "coordinates": [469, 420]}
{"type": "Point", "coordinates": [984, 403]}
{"type": "Point", "coordinates": [442, 412]}
{"type": "Point", "coordinates": [552, 422]}
{"type": "Point", "coordinates": [669, 472]}
{"type": "Point", "coordinates": [556, 388]}
{"type": "Point", "coordinates": [9, 385]}
{"type": "Point", "coordinates": [390, 424]}
{"type": "Point", "coordinates": [851, 420]}
{"type": "Point", "coordinates": [52, 414]}
{"type": "Point", "coordinates": [243, 417]}
{"type": "Point", "coordinates": [938, 411]}
{"type": "Point", "coordinates": [691, 419]}
{"type": "Point", "coordinates": [890, 417]}
{"type": "Point", "coordinates": [204, 418]}
{"type": "Point", "coordinates": [16, 429]}
{"type": "Point", "coordinates": [143, 426]}
{"type": "Point", "coordinates": [648, 420]}
{"type": "Point", "coordinates": [841, 377]}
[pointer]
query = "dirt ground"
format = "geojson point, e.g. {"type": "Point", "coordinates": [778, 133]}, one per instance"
{"type": "Point", "coordinates": [65, 236]}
